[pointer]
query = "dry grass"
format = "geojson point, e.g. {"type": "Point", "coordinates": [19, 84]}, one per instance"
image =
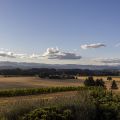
{"type": "Point", "coordinates": [11, 100]}
{"type": "Point", "coordinates": [35, 82]}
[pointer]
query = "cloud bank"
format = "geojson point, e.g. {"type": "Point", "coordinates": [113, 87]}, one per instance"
{"type": "Point", "coordinates": [51, 53]}
{"type": "Point", "coordinates": [55, 53]}
{"type": "Point", "coordinates": [89, 46]}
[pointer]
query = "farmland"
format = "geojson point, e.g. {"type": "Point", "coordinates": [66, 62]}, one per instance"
{"type": "Point", "coordinates": [35, 82]}
{"type": "Point", "coordinates": [22, 95]}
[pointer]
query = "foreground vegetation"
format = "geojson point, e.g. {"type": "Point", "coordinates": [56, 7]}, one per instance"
{"type": "Point", "coordinates": [88, 104]}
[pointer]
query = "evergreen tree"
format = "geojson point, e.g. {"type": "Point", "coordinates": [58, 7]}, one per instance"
{"type": "Point", "coordinates": [114, 85]}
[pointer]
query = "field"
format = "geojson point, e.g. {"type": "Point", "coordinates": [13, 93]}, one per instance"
{"type": "Point", "coordinates": [11, 107]}
{"type": "Point", "coordinates": [35, 82]}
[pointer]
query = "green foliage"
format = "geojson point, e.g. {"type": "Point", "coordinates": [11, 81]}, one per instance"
{"type": "Point", "coordinates": [114, 85]}
{"type": "Point", "coordinates": [50, 113]}
{"type": "Point", "coordinates": [89, 81]}
{"type": "Point", "coordinates": [34, 91]}
{"type": "Point", "coordinates": [93, 103]}
{"type": "Point", "coordinates": [99, 82]}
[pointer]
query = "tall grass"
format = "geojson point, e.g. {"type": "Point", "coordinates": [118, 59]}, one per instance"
{"type": "Point", "coordinates": [79, 103]}
{"type": "Point", "coordinates": [87, 104]}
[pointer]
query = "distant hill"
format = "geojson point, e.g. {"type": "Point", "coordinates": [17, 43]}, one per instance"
{"type": "Point", "coordinates": [25, 65]}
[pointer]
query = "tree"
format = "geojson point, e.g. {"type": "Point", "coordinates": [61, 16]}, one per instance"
{"type": "Point", "coordinates": [100, 82]}
{"type": "Point", "coordinates": [114, 85]}
{"type": "Point", "coordinates": [89, 81]}
{"type": "Point", "coordinates": [109, 78]}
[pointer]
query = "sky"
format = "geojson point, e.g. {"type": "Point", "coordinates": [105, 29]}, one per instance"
{"type": "Point", "coordinates": [60, 31]}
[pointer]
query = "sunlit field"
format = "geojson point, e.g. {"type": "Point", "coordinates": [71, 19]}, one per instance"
{"type": "Point", "coordinates": [39, 93]}
{"type": "Point", "coordinates": [36, 82]}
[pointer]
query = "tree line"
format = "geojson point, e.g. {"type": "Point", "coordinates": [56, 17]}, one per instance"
{"type": "Point", "coordinates": [99, 82]}
{"type": "Point", "coordinates": [47, 72]}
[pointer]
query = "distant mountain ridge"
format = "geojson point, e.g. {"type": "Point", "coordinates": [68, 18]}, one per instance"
{"type": "Point", "coordinates": [25, 65]}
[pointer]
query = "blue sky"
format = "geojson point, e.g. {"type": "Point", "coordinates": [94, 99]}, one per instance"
{"type": "Point", "coordinates": [33, 26]}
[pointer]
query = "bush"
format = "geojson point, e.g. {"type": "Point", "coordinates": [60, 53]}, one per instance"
{"type": "Point", "coordinates": [50, 113]}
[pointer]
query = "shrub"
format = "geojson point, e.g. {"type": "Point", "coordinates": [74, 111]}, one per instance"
{"type": "Point", "coordinates": [50, 113]}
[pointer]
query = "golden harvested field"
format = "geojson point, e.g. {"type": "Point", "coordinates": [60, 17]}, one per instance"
{"type": "Point", "coordinates": [35, 82]}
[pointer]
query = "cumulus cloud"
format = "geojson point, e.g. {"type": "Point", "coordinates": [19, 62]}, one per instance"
{"type": "Point", "coordinates": [55, 53]}
{"type": "Point", "coordinates": [97, 45]}
{"type": "Point", "coordinates": [51, 52]}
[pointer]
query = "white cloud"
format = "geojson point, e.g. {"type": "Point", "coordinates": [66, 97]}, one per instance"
{"type": "Point", "coordinates": [35, 56]}
{"type": "Point", "coordinates": [55, 53]}
{"type": "Point", "coordinates": [97, 45]}
{"type": "Point", "coordinates": [51, 53]}
{"type": "Point", "coordinates": [21, 55]}
{"type": "Point", "coordinates": [7, 54]}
